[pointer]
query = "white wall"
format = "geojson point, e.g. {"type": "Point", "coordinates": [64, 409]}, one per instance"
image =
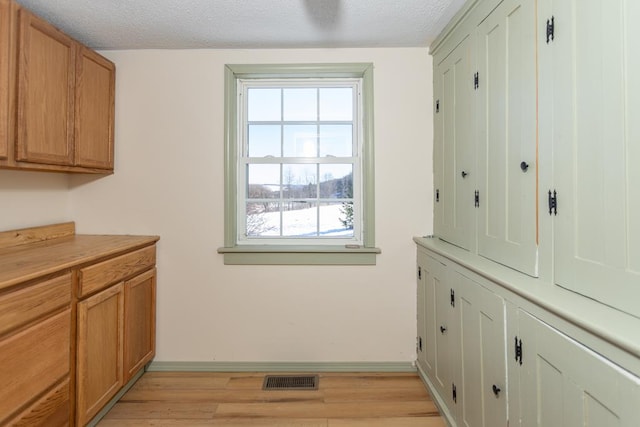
{"type": "Point", "coordinates": [29, 199]}
{"type": "Point", "coordinates": [169, 181]}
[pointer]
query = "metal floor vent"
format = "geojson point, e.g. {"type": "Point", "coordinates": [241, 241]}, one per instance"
{"type": "Point", "coordinates": [290, 382]}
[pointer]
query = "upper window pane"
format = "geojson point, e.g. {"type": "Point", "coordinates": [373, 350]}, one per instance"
{"type": "Point", "coordinates": [264, 104]}
{"type": "Point", "coordinates": [336, 140]}
{"type": "Point", "coordinates": [300, 104]}
{"type": "Point", "coordinates": [300, 141]}
{"type": "Point", "coordinates": [336, 104]}
{"type": "Point", "coordinates": [264, 140]}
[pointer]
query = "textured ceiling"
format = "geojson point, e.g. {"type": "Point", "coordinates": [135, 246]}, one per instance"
{"type": "Point", "coordinates": [188, 24]}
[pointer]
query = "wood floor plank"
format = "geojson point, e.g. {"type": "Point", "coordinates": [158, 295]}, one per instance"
{"type": "Point", "coordinates": [185, 383]}
{"type": "Point", "coordinates": [367, 381]}
{"type": "Point", "coordinates": [376, 394]}
{"type": "Point", "coordinates": [181, 410]}
{"type": "Point", "coordinates": [328, 410]}
{"type": "Point", "coordinates": [223, 396]}
{"type": "Point", "coordinates": [389, 422]}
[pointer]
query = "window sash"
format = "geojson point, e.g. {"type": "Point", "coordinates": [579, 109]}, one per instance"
{"type": "Point", "coordinates": [244, 160]}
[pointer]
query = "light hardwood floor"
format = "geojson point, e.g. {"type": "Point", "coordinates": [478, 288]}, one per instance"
{"type": "Point", "coordinates": [342, 399]}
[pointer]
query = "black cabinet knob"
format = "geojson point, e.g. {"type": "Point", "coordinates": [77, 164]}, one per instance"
{"type": "Point", "coordinates": [464, 174]}
{"type": "Point", "coordinates": [442, 329]}
{"type": "Point", "coordinates": [524, 166]}
{"type": "Point", "coordinates": [496, 390]}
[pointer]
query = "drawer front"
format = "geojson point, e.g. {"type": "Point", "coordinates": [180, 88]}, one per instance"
{"type": "Point", "coordinates": [52, 410]}
{"type": "Point", "coordinates": [20, 307]}
{"type": "Point", "coordinates": [33, 361]}
{"type": "Point", "coordinates": [103, 274]}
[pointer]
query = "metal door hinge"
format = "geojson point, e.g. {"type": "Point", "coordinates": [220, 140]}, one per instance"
{"type": "Point", "coordinates": [518, 350]}
{"type": "Point", "coordinates": [419, 273]}
{"type": "Point", "coordinates": [476, 199]}
{"type": "Point", "coordinates": [476, 80]}
{"type": "Point", "coordinates": [453, 298]}
{"type": "Point", "coordinates": [551, 27]}
{"type": "Point", "coordinates": [553, 202]}
{"type": "Point", "coordinates": [419, 344]}
{"type": "Point", "coordinates": [437, 106]}
{"type": "Point", "coordinates": [454, 393]}
{"type": "Point", "coordinates": [437, 195]}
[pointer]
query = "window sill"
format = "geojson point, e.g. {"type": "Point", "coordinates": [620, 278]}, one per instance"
{"type": "Point", "coordinates": [298, 255]}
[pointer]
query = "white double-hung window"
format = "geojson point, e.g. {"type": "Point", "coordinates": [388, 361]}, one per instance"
{"type": "Point", "coordinates": [299, 172]}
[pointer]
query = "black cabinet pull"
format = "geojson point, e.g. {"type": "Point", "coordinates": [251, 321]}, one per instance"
{"type": "Point", "coordinates": [524, 166]}
{"type": "Point", "coordinates": [496, 390]}
{"type": "Point", "coordinates": [442, 329]}
{"type": "Point", "coordinates": [464, 174]}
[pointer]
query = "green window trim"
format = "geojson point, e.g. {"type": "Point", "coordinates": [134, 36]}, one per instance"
{"type": "Point", "coordinates": [292, 254]}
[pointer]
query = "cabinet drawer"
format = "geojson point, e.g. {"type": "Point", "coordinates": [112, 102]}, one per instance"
{"type": "Point", "coordinates": [25, 305]}
{"type": "Point", "coordinates": [103, 274]}
{"type": "Point", "coordinates": [50, 410]}
{"type": "Point", "coordinates": [33, 361]}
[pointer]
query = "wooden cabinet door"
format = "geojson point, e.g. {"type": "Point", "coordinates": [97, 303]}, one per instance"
{"type": "Point", "coordinates": [46, 74]}
{"type": "Point", "coordinates": [483, 383]}
{"type": "Point", "coordinates": [99, 368]}
{"type": "Point", "coordinates": [5, 76]}
{"type": "Point", "coordinates": [507, 136]}
{"type": "Point", "coordinates": [94, 110]}
{"type": "Point", "coordinates": [590, 73]}
{"type": "Point", "coordinates": [454, 154]}
{"type": "Point", "coordinates": [565, 384]}
{"type": "Point", "coordinates": [139, 322]}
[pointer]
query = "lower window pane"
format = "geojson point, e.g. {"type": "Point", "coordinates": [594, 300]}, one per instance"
{"type": "Point", "coordinates": [336, 219]}
{"type": "Point", "coordinates": [300, 181]}
{"type": "Point", "coordinates": [300, 219]}
{"type": "Point", "coordinates": [263, 219]}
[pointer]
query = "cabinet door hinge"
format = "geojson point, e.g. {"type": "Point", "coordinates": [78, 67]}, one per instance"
{"type": "Point", "coordinates": [437, 195]}
{"type": "Point", "coordinates": [551, 27]}
{"type": "Point", "coordinates": [419, 344]}
{"type": "Point", "coordinates": [553, 203]}
{"type": "Point", "coordinates": [476, 80]}
{"type": "Point", "coordinates": [453, 298]}
{"type": "Point", "coordinates": [437, 106]}
{"type": "Point", "coordinates": [454, 393]}
{"type": "Point", "coordinates": [518, 350]}
{"type": "Point", "coordinates": [476, 199]}
{"type": "Point", "coordinates": [419, 273]}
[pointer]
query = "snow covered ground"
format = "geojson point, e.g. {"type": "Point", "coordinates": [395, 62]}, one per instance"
{"type": "Point", "coordinates": [302, 222]}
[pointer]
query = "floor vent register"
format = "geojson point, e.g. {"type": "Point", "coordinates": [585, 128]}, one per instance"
{"type": "Point", "coordinates": [290, 382]}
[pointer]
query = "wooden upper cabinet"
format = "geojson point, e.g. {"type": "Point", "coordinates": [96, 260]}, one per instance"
{"type": "Point", "coordinates": [5, 97]}
{"type": "Point", "coordinates": [94, 110]}
{"type": "Point", "coordinates": [57, 98]}
{"type": "Point", "coordinates": [46, 78]}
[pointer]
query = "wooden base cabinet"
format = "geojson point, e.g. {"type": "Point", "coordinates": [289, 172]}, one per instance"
{"type": "Point", "coordinates": [77, 322]}
{"type": "Point", "coordinates": [116, 327]}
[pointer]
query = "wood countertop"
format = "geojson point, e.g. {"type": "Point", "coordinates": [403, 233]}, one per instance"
{"type": "Point", "coordinates": [32, 258]}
